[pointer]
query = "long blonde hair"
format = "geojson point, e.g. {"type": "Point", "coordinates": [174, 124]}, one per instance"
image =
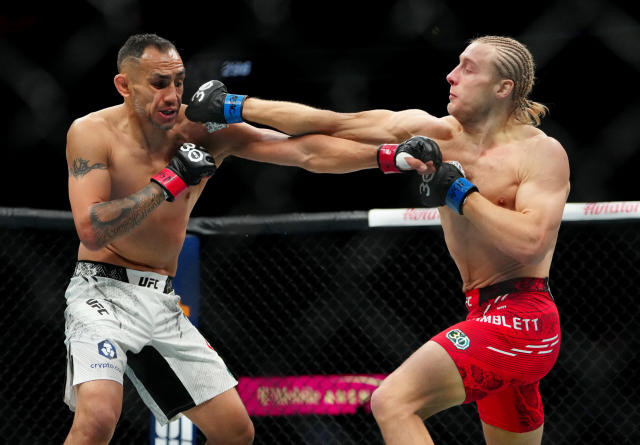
{"type": "Point", "coordinates": [515, 62]}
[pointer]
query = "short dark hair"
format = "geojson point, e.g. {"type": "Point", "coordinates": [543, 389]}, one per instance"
{"type": "Point", "coordinates": [137, 43]}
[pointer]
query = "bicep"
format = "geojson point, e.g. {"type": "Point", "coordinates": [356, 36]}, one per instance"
{"type": "Point", "coordinates": [385, 126]}
{"type": "Point", "coordinates": [88, 169]}
{"type": "Point", "coordinates": [544, 190]}
{"type": "Point", "coordinates": [410, 123]}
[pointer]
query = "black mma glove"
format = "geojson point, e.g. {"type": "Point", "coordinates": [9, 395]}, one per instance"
{"type": "Point", "coordinates": [189, 165]}
{"type": "Point", "coordinates": [211, 103]}
{"type": "Point", "coordinates": [447, 186]}
{"type": "Point", "coordinates": [391, 156]}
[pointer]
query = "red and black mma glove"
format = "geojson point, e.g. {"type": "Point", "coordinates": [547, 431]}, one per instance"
{"type": "Point", "coordinates": [391, 157]}
{"type": "Point", "coordinates": [189, 165]}
{"type": "Point", "coordinates": [447, 186]}
{"type": "Point", "coordinates": [212, 103]}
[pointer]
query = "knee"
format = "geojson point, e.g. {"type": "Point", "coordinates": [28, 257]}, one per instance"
{"type": "Point", "coordinates": [94, 426]}
{"type": "Point", "coordinates": [382, 404]}
{"type": "Point", "coordinates": [236, 433]}
{"type": "Point", "coordinates": [245, 434]}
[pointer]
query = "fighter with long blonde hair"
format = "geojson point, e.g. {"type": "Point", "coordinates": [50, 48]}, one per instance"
{"type": "Point", "coordinates": [501, 205]}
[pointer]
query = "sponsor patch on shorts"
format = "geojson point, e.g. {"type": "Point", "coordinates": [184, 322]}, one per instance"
{"type": "Point", "coordinates": [106, 349]}
{"type": "Point", "coordinates": [458, 338]}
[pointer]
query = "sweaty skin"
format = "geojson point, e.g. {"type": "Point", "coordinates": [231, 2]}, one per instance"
{"type": "Point", "coordinates": [120, 216]}
{"type": "Point", "coordinates": [522, 175]}
{"type": "Point", "coordinates": [524, 171]}
{"type": "Point", "coordinates": [510, 228]}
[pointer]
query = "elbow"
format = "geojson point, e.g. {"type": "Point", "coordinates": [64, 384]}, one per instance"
{"type": "Point", "coordinates": [529, 258]}
{"type": "Point", "coordinates": [532, 250]}
{"type": "Point", "coordinates": [89, 238]}
{"type": "Point", "coordinates": [310, 163]}
{"type": "Point", "coordinates": [316, 164]}
{"type": "Point", "coordinates": [92, 246]}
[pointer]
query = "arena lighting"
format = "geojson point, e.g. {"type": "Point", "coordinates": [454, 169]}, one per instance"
{"type": "Point", "coordinates": [235, 68]}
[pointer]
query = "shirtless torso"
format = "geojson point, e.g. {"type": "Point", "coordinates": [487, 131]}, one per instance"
{"type": "Point", "coordinates": [156, 242]}
{"type": "Point", "coordinates": [131, 235]}
{"type": "Point", "coordinates": [506, 172]}
{"type": "Point", "coordinates": [111, 161]}
{"type": "Point", "coordinates": [516, 167]}
{"type": "Point", "coordinates": [502, 243]}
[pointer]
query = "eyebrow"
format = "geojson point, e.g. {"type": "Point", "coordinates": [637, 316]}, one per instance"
{"type": "Point", "coordinates": [166, 76]}
{"type": "Point", "coordinates": [468, 61]}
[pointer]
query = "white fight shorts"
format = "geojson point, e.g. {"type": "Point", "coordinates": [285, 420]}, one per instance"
{"type": "Point", "coordinates": [120, 321]}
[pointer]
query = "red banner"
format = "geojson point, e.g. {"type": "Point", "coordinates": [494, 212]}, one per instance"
{"type": "Point", "coordinates": [308, 394]}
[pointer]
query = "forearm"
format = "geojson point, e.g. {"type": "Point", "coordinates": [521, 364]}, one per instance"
{"type": "Point", "coordinates": [112, 219]}
{"type": "Point", "coordinates": [212, 103]}
{"type": "Point", "coordinates": [518, 234]}
{"type": "Point", "coordinates": [333, 155]}
{"type": "Point", "coordinates": [297, 119]}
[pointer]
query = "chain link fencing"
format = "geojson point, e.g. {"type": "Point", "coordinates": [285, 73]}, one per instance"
{"type": "Point", "coordinates": [338, 302]}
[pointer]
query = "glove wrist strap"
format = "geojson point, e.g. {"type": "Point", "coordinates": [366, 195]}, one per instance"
{"type": "Point", "coordinates": [387, 158]}
{"type": "Point", "coordinates": [233, 108]}
{"type": "Point", "coordinates": [457, 193]}
{"type": "Point", "coordinates": [170, 182]}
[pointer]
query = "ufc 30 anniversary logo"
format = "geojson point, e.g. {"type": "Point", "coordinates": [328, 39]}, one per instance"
{"type": "Point", "coordinates": [193, 153]}
{"type": "Point", "coordinates": [458, 338]}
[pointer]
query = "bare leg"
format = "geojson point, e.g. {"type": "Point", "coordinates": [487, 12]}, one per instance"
{"type": "Point", "coordinates": [496, 436]}
{"type": "Point", "coordinates": [98, 407]}
{"type": "Point", "coordinates": [426, 383]}
{"type": "Point", "coordinates": [223, 420]}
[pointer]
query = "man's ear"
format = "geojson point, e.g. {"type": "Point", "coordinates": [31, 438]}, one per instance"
{"type": "Point", "coordinates": [505, 88]}
{"type": "Point", "coordinates": [121, 81]}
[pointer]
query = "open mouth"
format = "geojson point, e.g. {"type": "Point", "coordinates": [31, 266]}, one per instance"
{"type": "Point", "coordinates": [168, 113]}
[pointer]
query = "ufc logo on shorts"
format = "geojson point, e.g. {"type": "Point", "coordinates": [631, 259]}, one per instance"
{"type": "Point", "coordinates": [96, 305]}
{"type": "Point", "coordinates": [148, 282]}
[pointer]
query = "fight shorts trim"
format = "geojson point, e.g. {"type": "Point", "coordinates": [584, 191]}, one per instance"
{"type": "Point", "coordinates": [478, 297]}
{"type": "Point", "coordinates": [139, 278]}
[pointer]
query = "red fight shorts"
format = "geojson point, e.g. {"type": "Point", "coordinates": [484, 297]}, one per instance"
{"type": "Point", "coordinates": [509, 341]}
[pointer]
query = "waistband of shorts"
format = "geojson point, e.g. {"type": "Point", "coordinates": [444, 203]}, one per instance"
{"type": "Point", "coordinates": [479, 296]}
{"type": "Point", "coordinates": [150, 280]}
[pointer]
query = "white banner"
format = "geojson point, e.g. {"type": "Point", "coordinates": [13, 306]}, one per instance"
{"type": "Point", "coordinates": [577, 211]}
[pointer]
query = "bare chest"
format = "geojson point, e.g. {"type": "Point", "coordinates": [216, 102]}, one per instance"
{"type": "Point", "coordinates": [131, 166]}
{"type": "Point", "coordinates": [495, 171]}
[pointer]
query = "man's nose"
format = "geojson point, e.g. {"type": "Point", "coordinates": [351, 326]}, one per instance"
{"type": "Point", "coordinates": [450, 78]}
{"type": "Point", "coordinates": [171, 94]}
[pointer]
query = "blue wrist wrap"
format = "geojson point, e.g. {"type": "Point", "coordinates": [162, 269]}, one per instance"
{"type": "Point", "coordinates": [233, 108]}
{"type": "Point", "coordinates": [459, 190]}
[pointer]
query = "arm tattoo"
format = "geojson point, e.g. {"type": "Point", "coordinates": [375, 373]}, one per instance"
{"type": "Point", "coordinates": [112, 219]}
{"type": "Point", "coordinates": [81, 167]}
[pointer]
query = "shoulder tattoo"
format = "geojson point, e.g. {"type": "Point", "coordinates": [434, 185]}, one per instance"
{"type": "Point", "coordinates": [81, 167]}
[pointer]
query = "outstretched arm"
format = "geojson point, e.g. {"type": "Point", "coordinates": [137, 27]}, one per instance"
{"type": "Point", "coordinates": [314, 152]}
{"type": "Point", "coordinates": [212, 103]}
{"type": "Point", "coordinates": [292, 118]}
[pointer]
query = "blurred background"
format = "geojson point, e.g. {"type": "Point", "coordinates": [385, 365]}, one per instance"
{"type": "Point", "coordinates": [58, 62]}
